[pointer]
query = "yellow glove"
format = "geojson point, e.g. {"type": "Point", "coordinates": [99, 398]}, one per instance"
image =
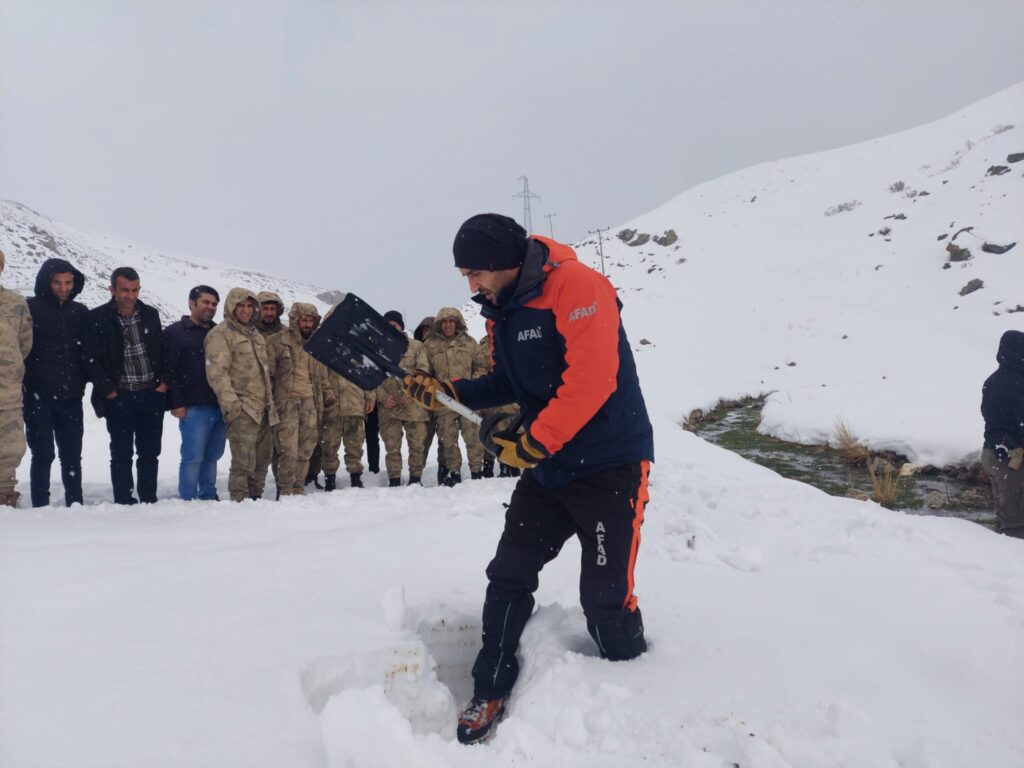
{"type": "Point", "coordinates": [424, 388]}
{"type": "Point", "coordinates": [519, 450]}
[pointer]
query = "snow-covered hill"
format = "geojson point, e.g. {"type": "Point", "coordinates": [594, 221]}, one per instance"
{"type": "Point", "coordinates": [826, 280]}
{"type": "Point", "coordinates": [28, 238]}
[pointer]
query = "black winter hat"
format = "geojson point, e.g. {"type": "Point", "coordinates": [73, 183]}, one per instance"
{"type": "Point", "coordinates": [490, 241]}
{"type": "Point", "coordinates": [395, 315]}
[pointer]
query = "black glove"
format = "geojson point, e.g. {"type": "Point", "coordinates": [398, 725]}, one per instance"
{"type": "Point", "coordinates": [424, 388]}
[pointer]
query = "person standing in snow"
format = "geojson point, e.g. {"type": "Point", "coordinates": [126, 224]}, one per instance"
{"type": "Point", "coordinates": [486, 363]}
{"type": "Point", "coordinates": [238, 371]}
{"type": "Point", "coordinates": [301, 394]}
{"type": "Point", "coordinates": [453, 354]}
{"type": "Point", "coordinates": [345, 424]}
{"type": "Point", "coordinates": [420, 334]}
{"type": "Point", "coordinates": [55, 381]}
{"type": "Point", "coordinates": [561, 354]}
{"type": "Point", "coordinates": [270, 310]}
{"type": "Point", "coordinates": [1002, 456]}
{"type": "Point", "coordinates": [191, 400]}
{"type": "Point", "coordinates": [15, 345]}
{"type": "Point", "coordinates": [124, 354]}
{"type": "Point", "coordinates": [399, 414]}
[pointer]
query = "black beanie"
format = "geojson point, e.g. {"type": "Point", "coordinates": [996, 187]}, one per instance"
{"type": "Point", "coordinates": [490, 241]}
{"type": "Point", "coordinates": [396, 316]}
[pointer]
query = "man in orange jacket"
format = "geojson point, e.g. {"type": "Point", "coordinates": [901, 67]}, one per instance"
{"type": "Point", "coordinates": [560, 352]}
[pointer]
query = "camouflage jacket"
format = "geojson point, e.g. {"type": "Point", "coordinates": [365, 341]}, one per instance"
{"type": "Point", "coordinates": [285, 354]}
{"type": "Point", "coordinates": [237, 368]}
{"type": "Point", "coordinates": [454, 358]}
{"type": "Point", "coordinates": [415, 358]}
{"type": "Point", "coordinates": [15, 344]}
{"type": "Point", "coordinates": [349, 399]}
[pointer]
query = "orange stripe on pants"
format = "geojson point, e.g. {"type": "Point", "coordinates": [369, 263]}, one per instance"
{"type": "Point", "coordinates": [638, 504]}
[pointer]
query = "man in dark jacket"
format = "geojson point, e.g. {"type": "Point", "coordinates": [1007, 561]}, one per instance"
{"type": "Point", "coordinates": [54, 382]}
{"type": "Point", "coordinates": [190, 398]}
{"type": "Point", "coordinates": [124, 354]}
{"type": "Point", "coordinates": [1002, 406]}
{"type": "Point", "coordinates": [561, 353]}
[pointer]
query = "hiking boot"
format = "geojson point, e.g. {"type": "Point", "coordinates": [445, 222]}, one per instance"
{"type": "Point", "coordinates": [478, 719]}
{"type": "Point", "coordinates": [314, 478]}
{"type": "Point", "coordinates": [330, 482]}
{"type": "Point", "coordinates": [442, 473]}
{"type": "Point", "coordinates": [475, 475]}
{"type": "Point", "coordinates": [356, 479]}
{"type": "Point", "coordinates": [453, 479]}
{"type": "Point", "coordinates": [394, 482]}
{"type": "Point", "coordinates": [374, 468]}
{"type": "Point", "coordinates": [488, 467]}
{"type": "Point", "coordinates": [504, 471]}
{"type": "Point", "coordinates": [414, 480]}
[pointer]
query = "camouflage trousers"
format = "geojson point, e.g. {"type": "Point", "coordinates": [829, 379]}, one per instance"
{"type": "Point", "coordinates": [449, 425]}
{"type": "Point", "coordinates": [415, 436]}
{"type": "Point", "coordinates": [295, 439]}
{"type": "Point", "coordinates": [352, 431]}
{"type": "Point", "coordinates": [12, 449]}
{"type": "Point", "coordinates": [248, 439]}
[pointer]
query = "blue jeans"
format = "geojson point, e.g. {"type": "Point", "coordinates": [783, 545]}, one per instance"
{"type": "Point", "coordinates": [135, 422]}
{"type": "Point", "coordinates": [203, 432]}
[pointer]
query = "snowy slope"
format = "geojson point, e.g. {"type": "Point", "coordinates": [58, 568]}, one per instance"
{"type": "Point", "coordinates": [28, 238]}
{"type": "Point", "coordinates": [767, 292]}
{"type": "Point", "coordinates": [788, 628]}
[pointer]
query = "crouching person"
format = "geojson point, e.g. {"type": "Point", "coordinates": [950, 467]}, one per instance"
{"type": "Point", "coordinates": [1002, 406]}
{"type": "Point", "coordinates": [191, 400]}
{"type": "Point", "coordinates": [300, 388]}
{"type": "Point", "coordinates": [238, 372]}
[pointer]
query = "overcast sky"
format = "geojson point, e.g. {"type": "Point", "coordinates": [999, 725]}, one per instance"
{"type": "Point", "coordinates": [343, 143]}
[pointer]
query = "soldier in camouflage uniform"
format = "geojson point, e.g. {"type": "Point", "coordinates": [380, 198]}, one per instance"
{"type": "Point", "coordinates": [486, 363]}
{"type": "Point", "coordinates": [397, 413]}
{"type": "Point", "coordinates": [420, 334]}
{"type": "Point", "coordinates": [453, 354]}
{"type": "Point", "coordinates": [300, 388]}
{"type": "Point", "coordinates": [238, 372]}
{"type": "Point", "coordinates": [345, 422]}
{"type": "Point", "coordinates": [15, 344]}
{"type": "Point", "coordinates": [269, 312]}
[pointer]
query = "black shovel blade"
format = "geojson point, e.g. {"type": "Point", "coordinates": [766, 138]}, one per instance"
{"type": "Point", "coordinates": [355, 341]}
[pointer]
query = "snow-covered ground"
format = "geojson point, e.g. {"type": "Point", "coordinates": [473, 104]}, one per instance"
{"type": "Point", "coordinates": [787, 627]}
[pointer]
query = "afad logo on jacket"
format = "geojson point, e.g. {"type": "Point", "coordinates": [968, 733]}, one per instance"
{"type": "Point", "coordinates": [528, 334]}
{"type": "Point", "coordinates": [581, 312]}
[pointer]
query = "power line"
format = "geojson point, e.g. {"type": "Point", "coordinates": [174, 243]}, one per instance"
{"type": "Point", "coordinates": [551, 229]}
{"type": "Point", "coordinates": [600, 243]}
{"type": "Point", "coordinates": [526, 194]}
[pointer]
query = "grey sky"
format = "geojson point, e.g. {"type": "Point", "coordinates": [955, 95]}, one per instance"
{"type": "Point", "coordinates": [343, 143]}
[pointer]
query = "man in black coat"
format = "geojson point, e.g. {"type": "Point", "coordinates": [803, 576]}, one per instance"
{"type": "Point", "coordinates": [1002, 406]}
{"type": "Point", "coordinates": [124, 353]}
{"type": "Point", "coordinates": [54, 383]}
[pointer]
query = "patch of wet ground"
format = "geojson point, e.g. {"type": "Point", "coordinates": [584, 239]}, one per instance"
{"type": "Point", "coordinates": [934, 491]}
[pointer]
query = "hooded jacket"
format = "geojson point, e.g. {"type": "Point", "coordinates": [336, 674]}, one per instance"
{"type": "Point", "coordinates": [561, 353]}
{"type": "Point", "coordinates": [103, 349]}
{"type": "Point", "coordinates": [237, 367]}
{"type": "Point", "coordinates": [1002, 396]}
{"type": "Point", "coordinates": [277, 326]}
{"type": "Point", "coordinates": [456, 357]}
{"type": "Point", "coordinates": [285, 353]}
{"type": "Point", "coordinates": [55, 366]}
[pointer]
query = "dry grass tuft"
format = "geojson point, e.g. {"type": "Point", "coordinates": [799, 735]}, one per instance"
{"type": "Point", "coordinates": [853, 451]}
{"type": "Point", "coordinates": [885, 482]}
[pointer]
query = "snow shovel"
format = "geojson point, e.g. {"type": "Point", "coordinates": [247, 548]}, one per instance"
{"type": "Point", "coordinates": [354, 340]}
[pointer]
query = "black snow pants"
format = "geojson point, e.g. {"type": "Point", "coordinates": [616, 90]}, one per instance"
{"type": "Point", "coordinates": [51, 419]}
{"type": "Point", "coordinates": [605, 511]}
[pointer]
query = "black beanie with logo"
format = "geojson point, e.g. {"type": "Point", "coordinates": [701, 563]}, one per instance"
{"type": "Point", "coordinates": [490, 241]}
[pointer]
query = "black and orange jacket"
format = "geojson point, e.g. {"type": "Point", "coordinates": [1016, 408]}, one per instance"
{"type": "Point", "coordinates": [561, 353]}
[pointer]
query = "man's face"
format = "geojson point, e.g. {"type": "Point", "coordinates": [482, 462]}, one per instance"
{"type": "Point", "coordinates": [268, 312]}
{"type": "Point", "coordinates": [203, 309]}
{"type": "Point", "coordinates": [307, 324]}
{"type": "Point", "coordinates": [125, 293]}
{"type": "Point", "coordinates": [394, 324]}
{"type": "Point", "coordinates": [244, 310]}
{"type": "Point", "coordinates": [490, 284]}
{"type": "Point", "coordinates": [448, 327]}
{"type": "Point", "coordinates": [61, 286]}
